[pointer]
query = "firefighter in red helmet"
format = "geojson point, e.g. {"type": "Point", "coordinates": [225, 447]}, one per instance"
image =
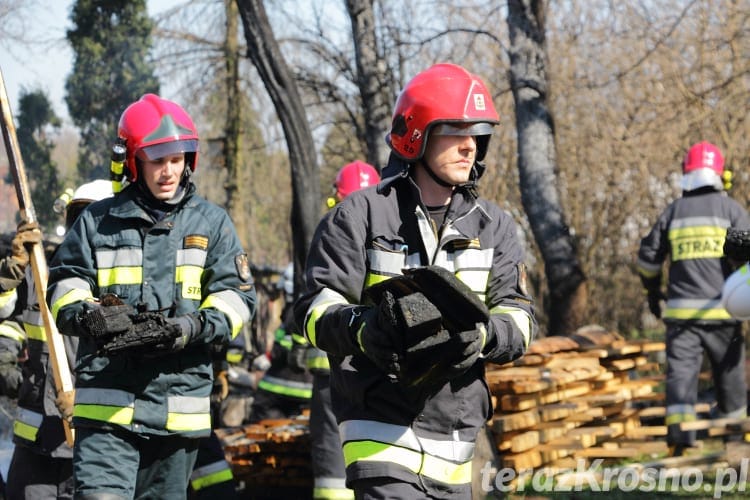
{"type": "Point", "coordinates": [329, 470]}
{"type": "Point", "coordinates": [690, 235]}
{"type": "Point", "coordinates": [148, 281]}
{"type": "Point", "coordinates": [409, 407]}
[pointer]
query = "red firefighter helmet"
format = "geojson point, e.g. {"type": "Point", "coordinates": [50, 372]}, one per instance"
{"type": "Point", "coordinates": [442, 94]}
{"type": "Point", "coordinates": [703, 166]}
{"type": "Point", "coordinates": [354, 176]}
{"type": "Point", "coordinates": [157, 128]}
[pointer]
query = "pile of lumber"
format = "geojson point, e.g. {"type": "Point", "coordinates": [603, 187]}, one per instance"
{"type": "Point", "coordinates": [576, 397]}
{"type": "Point", "coordinates": [270, 454]}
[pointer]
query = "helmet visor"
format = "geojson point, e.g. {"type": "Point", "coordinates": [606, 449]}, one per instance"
{"type": "Point", "coordinates": [169, 148]}
{"type": "Point", "coordinates": [480, 128]}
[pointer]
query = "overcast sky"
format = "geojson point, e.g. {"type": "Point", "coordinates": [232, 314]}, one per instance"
{"type": "Point", "coordinates": [48, 64]}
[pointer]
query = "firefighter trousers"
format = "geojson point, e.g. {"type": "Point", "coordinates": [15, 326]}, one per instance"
{"type": "Point", "coordinates": [120, 464]}
{"type": "Point", "coordinates": [724, 346]}
{"type": "Point", "coordinates": [329, 470]}
{"type": "Point", "coordinates": [37, 476]}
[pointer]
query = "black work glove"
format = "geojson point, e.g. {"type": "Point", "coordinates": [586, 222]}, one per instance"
{"type": "Point", "coordinates": [654, 298]}
{"type": "Point", "coordinates": [737, 246]}
{"type": "Point", "coordinates": [104, 322]}
{"type": "Point", "coordinates": [188, 325]}
{"type": "Point", "coordinates": [379, 334]}
{"type": "Point", "coordinates": [443, 356]}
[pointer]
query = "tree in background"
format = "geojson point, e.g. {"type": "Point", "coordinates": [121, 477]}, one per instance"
{"type": "Point", "coordinates": [35, 118]}
{"type": "Point", "coordinates": [111, 40]}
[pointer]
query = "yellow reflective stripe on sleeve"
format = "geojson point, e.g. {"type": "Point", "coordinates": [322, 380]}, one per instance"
{"type": "Point", "coordinates": [520, 318]}
{"type": "Point", "coordinates": [648, 269]}
{"type": "Point", "coordinates": [709, 309]}
{"type": "Point", "coordinates": [11, 330]}
{"type": "Point", "coordinates": [225, 302]}
{"type": "Point", "coordinates": [102, 413]}
{"type": "Point", "coordinates": [27, 423]}
{"type": "Point", "coordinates": [418, 463]}
{"type": "Point", "coordinates": [325, 299]}
{"type": "Point", "coordinates": [234, 357]}
{"type": "Point", "coordinates": [25, 431]}
{"type": "Point", "coordinates": [119, 276]}
{"type": "Point", "coordinates": [373, 279]}
{"type": "Point", "coordinates": [70, 297]}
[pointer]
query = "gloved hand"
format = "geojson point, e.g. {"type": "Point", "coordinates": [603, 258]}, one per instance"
{"type": "Point", "coordinates": [10, 374]}
{"type": "Point", "coordinates": [468, 347]}
{"type": "Point", "coordinates": [106, 321]}
{"type": "Point", "coordinates": [654, 298]}
{"type": "Point", "coordinates": [221, 387]}
{"type": "Point", "coordinates": [64, 403]}
{"type": "Point", "coordinates": [443, 356]}
{"type": "Point", "coordinates": [260, 363]}
{"type": "Point", "coordinates": [379, 333]}
{"type": "Point", "coordinates": [189, 326]}
{"type": "Point", "coordinates": [296, 357]}
{"type": "Point", "coordinates": [27, 233]}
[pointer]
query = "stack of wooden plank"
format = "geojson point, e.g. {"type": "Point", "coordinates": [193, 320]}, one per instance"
{"type": "Point", "coordinates": [576, 397]}
{"type": "Point", "coordinates": [270, 455]}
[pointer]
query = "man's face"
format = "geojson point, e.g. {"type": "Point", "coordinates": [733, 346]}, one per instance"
{"type": "Point", "coordinates": [451, 156]}
{"type": "Point", "coordinates": [162, 175]}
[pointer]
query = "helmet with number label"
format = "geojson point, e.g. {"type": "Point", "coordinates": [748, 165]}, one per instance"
{"type": "Point", "coordinates": [436, 101]}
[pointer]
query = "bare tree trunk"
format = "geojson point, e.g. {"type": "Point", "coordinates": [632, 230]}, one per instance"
{"type": "Point", "coordinates": [263, 50]}
{"type": "Point", "coordinates": [537, 166]}
{"type": "Point", "coordinates": [232, 133]}
{"type": "Point", "coordinates": [372, 79]}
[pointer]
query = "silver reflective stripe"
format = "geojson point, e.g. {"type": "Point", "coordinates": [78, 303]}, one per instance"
{"type": "Point", "coordinates": [684, 409]}
{"type": "Point", "coordinates": [694, 304]}
{"type": "Point", "coordinates": [64, 286]}
{"type": "Point", "coordinates": [740, 412]}
{"type": "Point", "coordinates": [399, 435]}
{"type": "Point", "coordinates": [648, 269]}
{"type": "Point", "coordinates": [699, 221]}
{"type": "Point", "coordinates": [120, 257]}
{"type": "Point", "coordinates": [385, 263]}
{"type": "Point", "coordinates": [191, 257]}
{"type": "Point", "coordinates": [29, 417]}
{"type": "Point", "coordinates": [233, 300]}
{"type": "Point", "coordinates": [337, 483]}
{"type": "Point", "coordinates": [428, 234]}
{"type": "Point", "coordinates": [187, 404]}
{"type": "Point", "coordinates": [208, 469]}
{"type": "Point", "coordinates": [105, 397]}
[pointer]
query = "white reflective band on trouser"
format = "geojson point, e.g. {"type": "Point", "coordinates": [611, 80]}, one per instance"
{"type": "Point", "coordinates": [210, 474]}
{"type": "Point", "coordinates": [447, 461]}
{"type": "Point", "coordinates": [332, 488]}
